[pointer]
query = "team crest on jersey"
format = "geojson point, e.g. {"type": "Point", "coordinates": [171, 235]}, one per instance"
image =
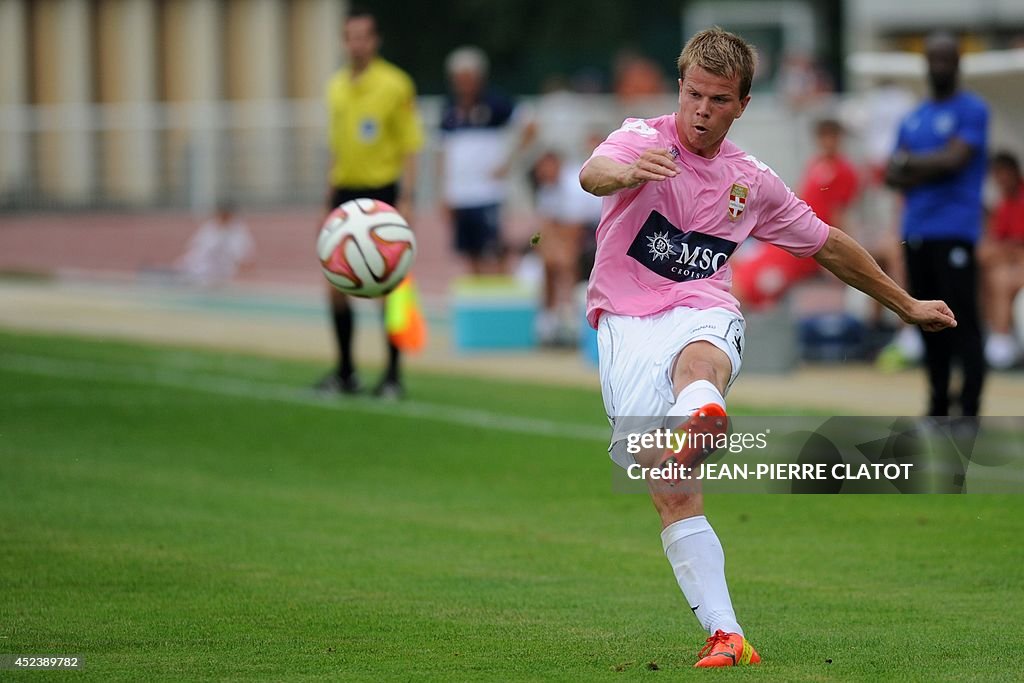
{"type": "Point", "coordinates": [737, 201]}
{"type": "Point", "coordinates": [944, 124]}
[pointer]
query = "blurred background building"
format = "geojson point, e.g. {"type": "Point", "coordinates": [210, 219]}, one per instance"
{"type": "Point", "coordinates": [162, 102]}
{"type": "Point", "coordinates": [124, 122]}
{"type": "Point", "coordinates": [172, 103]}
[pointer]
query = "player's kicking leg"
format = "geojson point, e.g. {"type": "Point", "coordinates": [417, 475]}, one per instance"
{"type": "Point", "coordinates": [691, 545]}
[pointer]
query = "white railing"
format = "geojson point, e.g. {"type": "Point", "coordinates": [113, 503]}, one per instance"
{"type": "Point", "coordinates": [264, 153]}
{"type": "Point", "coordinates": [161, 154]}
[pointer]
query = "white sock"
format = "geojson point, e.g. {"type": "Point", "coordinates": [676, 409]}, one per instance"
{"type": "Point", "coordinates": [694, 396]}
{"type": "Point", "coordinates": [695, 553]}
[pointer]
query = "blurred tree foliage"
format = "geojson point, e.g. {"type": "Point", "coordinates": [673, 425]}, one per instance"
{"type": "Point", "coordinates": [527, 40]}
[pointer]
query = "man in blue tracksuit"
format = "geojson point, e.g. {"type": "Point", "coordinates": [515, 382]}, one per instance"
{"type": "Point", "coordinates": [939, 165]}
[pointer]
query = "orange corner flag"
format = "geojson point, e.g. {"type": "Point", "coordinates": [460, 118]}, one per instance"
{"type": "Point", "coordinates": [406, 326]}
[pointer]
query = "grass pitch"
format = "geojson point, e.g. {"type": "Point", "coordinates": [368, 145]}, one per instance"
{"type": "Point", "coordinates": [181, 515]}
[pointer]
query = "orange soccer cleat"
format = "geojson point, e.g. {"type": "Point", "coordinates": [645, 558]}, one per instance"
{"type": "Point", "coordinates": [706, 425]}
{"type": "Point", "coordinates": [727, 649]}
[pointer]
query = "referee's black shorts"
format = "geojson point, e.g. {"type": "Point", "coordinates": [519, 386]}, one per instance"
{"type": "Point", "coordinates": [387, 194]}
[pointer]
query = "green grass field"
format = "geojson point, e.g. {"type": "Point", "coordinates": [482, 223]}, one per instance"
{"type": "Point", "coordinates": [181, 515]}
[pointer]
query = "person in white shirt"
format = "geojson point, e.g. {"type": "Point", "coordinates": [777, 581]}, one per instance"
{"type": "Point", "coordinates": [475, 127]}
{"type": "Point", "coordinates": [218, 250]}
{"type": "Point", "coordinates": [565, 213]}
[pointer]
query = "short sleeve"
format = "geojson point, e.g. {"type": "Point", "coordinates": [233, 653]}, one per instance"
{"type": "Point", "coordinates": [1000, 222]}
{"type": "Point", "coordinates": [787, 221]}
{"type": "Point", "coordinates": [408, 127]}
{"type": "Point", "coordinates": [849, 185]}
{"type": "Point", "coordinates": [973, 126]}
{"type": "Point", "coordinates": [507, 112]}
{"type": "Point", "coordinates": [627, 142]}
{"type": "Point", "coordinates": [901, 137]}
{"type": "Point", "coordinates": [331, 103]}
{"type": "Point", "coordinates": [242, 242]}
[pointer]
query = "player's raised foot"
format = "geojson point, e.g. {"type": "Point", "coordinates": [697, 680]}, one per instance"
{"type": "Point", "coordinates": [702, 431]}
{"type": "Point", "coordinates": [727, 649]}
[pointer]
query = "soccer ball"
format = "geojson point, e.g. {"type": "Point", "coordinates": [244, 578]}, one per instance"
{"type": "Point", "coordinates": [365, 247]}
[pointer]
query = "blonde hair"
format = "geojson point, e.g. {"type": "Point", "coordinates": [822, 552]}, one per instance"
{"type": "Point", "coordinates": [720, 53]}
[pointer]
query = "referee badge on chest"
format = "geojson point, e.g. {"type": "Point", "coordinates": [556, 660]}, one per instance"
{"type": "Point", "coordinates": [368, 129]}
{"type": "Point", "coordinates": [737, 201]}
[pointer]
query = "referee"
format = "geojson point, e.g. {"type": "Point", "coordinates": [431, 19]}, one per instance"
{"type": "Point", "coordinates": [940, 165]}
{"type": "Point", "coordinates": [374, 135]}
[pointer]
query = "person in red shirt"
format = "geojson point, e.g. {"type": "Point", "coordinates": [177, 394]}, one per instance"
{"type": "Point", "coordinates": [829, 186]}
{"type": "Point", "coordinates": [1001, 256]}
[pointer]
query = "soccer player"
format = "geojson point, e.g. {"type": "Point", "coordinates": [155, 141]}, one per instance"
{"type": "Point", "coordinates": [679, 198]}
{"type": "Point", "coordinates": [374, 135]}
{"type": "Point", "coordinates": [939, 165]}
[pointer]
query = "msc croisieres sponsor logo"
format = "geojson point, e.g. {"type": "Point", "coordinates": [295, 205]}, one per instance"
{"type": "Point", "coordinates": [680, 256]}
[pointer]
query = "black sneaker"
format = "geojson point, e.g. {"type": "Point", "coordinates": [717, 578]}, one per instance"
{"type": "Point", "coordinates": [389, 390]}
{"type": "Point", "coordinates": [334, 384]}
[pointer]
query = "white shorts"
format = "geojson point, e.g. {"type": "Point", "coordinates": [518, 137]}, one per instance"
{"type": "Point", "coordinates": [636, 357]}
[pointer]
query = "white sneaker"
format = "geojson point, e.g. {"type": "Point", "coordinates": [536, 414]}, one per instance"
{"type": "Point", "coordinates": [1001, 351]}
{"type": "Point", "coordinates": [546, 327]}
{"type": "Point", "coordinates": [910, 344]}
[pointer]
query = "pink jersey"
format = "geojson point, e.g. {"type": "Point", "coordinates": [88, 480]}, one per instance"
{"type": "Point", "coordinates": [666, 244]}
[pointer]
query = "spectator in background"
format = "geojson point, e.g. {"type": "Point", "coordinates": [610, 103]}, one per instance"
{"type": "Point", "coordinates": [829, 187]}
{"type": "Point", "coordinates": [802, 81]}
{"type": "Point", "coordinates": [566, 213]}
{"type": "Point", "coordinates": [218, 250]}
{"type": "Point", "coordinates": [1001, 257]}
{"type": "Point", "coordinates": [829, 184]}
{"type": "Point", "coordinates": [939, 165]}
{"type": "Point", "coordinates": [475, 126]}
{"type": "Point", "coordinates": [374, 135]}
{"type": "Point", "coordinates": [637, 77]}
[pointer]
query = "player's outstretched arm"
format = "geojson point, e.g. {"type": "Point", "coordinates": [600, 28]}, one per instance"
{"type": "Point", "coordinates": [848, 261]}
{"type": "Point", "coordinates": [603, 176]}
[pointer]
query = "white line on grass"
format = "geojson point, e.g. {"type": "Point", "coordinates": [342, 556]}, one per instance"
{"type": "Point", "coordinates": [285, 393]}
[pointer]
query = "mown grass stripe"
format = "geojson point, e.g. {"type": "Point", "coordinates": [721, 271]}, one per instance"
{"type": "Point", "coordinates": [266, 391]}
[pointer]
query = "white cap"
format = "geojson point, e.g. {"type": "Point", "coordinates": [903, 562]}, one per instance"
{"type": "Point", "coordinates": [467, 58]}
